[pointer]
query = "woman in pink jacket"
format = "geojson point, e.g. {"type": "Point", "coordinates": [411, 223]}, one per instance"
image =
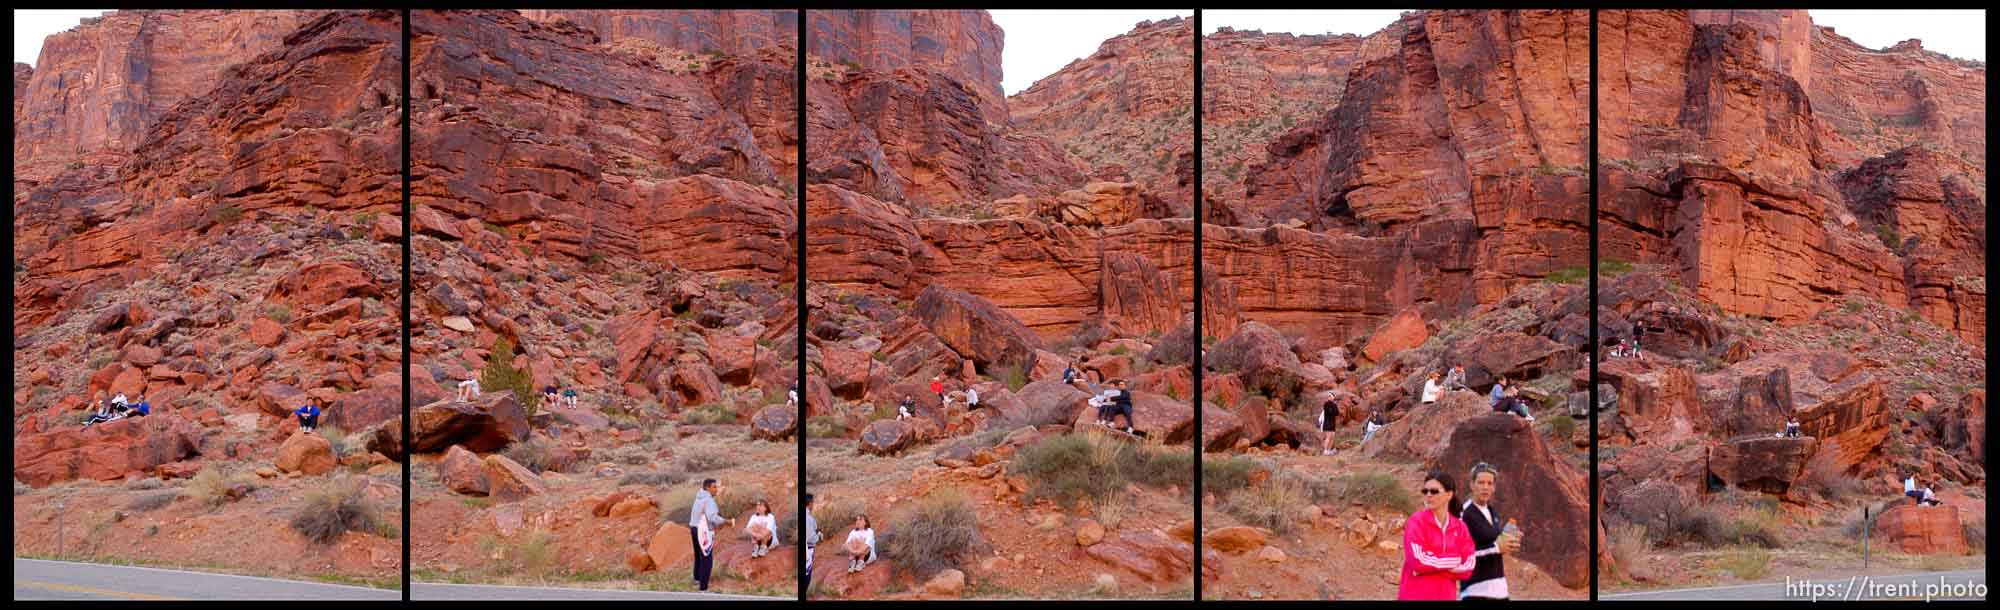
{"type": "Point", "coordinates": [1437, 549]}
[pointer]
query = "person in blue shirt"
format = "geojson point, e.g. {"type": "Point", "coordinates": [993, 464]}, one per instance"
{"type": "Point", "coordinates": [1499, 391]}
{"type": "Point", "coordinates": [142, 409]}
{"type": "Point", "coordinates": [308, 417]}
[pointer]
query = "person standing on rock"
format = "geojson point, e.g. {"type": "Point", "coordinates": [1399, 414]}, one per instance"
{"type": "Point", "coordinates": [308, 417]}
{"type": "Point", "coordinates": [468, 390]}
{"type": "Point", "coordinates": [1432, 390]}
{"type": "Point", "coordinates": [1437, 549]}
{"type": "Point", "coordinates": [971, 398]}
{"type": "Point", "coordinates": [811, 537]}
{"type": "Point", "coordinates": [1489, 574]}
{"type": "Point", "coordinates": [937, 387]}
{"type": "Point", "coordinates": [1329, 415]}
{"type": "Point", "coordinates": [702, 520]}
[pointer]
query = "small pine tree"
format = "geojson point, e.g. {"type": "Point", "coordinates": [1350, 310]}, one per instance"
{"type": "Point", "coordinates": [500, 375]}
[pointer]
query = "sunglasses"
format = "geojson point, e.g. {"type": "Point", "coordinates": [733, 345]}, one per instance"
{"type": "Point", "coordinates": [1431, 491]}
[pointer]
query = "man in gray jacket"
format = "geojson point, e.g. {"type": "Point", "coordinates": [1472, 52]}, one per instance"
{"type": "Point", "coordinates": [704, 512]}
{"type": "Point", "coordinates": [811, 537]}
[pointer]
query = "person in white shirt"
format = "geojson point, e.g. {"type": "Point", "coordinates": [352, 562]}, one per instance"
{"type": "Point", "coordinates": [971, 398]}
{"type": "Point", "coordinates": [120, 400]}
{"type": "Point", "coordinates": [761, 527]}
{"type": "Point", "coordinates": [1929, 499]}
{"type": "Point", "coordinates": [1910, 489]}
{"type": "Point", "coordinates": [1374, 423]}
{"type": "Point", "coordinates": [860, 544]}
{"type": "Point", "coordinates": [1431, 389]}
{"type": "Point", "coordinates": [468, 390]}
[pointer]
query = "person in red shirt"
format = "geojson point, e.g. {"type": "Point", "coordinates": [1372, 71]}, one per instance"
{"type": "Point", "coordinates": [1437, 549]}
{"type": "Point", "coordinates": [937, 387]}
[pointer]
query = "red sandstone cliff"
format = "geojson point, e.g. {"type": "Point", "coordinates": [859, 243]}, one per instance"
{"type": "Point", "coordinates": [1778, 185]}
{"type": "Point", "coordinates": [1257, 86]}
{"type": "Point", "coordinates": [733, 32]}
{"type": "Point", "coordinates": [1126, 111]}
{"type": "Point", "coordinates": [963, 45]}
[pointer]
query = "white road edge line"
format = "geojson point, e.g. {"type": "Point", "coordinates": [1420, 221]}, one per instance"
{"type": "Point", "coordinates": [218, 574]}
{"type": "Point", "coordinates": [1779, 583]}
{"type": "Point", "coordinates": [414, 584]}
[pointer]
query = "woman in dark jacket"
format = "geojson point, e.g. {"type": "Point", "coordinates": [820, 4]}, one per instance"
{"type": "Point", "coordinates": [1489, 577]}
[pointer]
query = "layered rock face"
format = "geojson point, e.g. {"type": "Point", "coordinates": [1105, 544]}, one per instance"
{"type": "Point", "coordinates": [1780, 167]}
{"type": "Point", "coordinates": [733, 32]}
{"type": "Point", "coordinates": [228, 256]}
{"type": "Point", "coordinates": [579, 147]}
{"type": "Point", "coordinates": [1452, 127]}
{"type": "Point", "coordinates": [103, 84]}
{"type": "Point", "coordinates": [1126, 111]}
{"type": "Point", "coordinates": [1257, 86]}
{"type": "Point", "coordinates": [962, 45]}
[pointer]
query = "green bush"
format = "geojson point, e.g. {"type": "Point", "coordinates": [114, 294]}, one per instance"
{"type": "Point", "coordinates": [334, 508]}
{"type": "Point", "coordinates": [1747, 564]}
{"type": "Point", "coordinates": [1228, 475]}
{"type": "Point", "coordinates": [825, 426]}
{"type": "Point", "coordinates": [1162, 466]}
{"type": "Point", "coordinates": [1375, 489]}
{"type": "Point", "coordinates": [712, 413]}
{"type": "Point", "coordinates": [1761, 526]}
{"type": "Point", "coordinates": [654, 478]}
{"type": "Point", "coordinates": [1068, 468]}
{"type": "Point", "coordinates": [699, 460]}
{"type": "Point", "coordinates": [501, 376]}
{"type": "Point", "coordinates": [152, 501]}
{"type": "Point", "coordinates": [1273, 504]}
{"type": "Point", "coordinates": [533, 454]}
{"type": "Point", "coordinates": [1561, 427]}
{"type": "Point", "coordinates": [228, 214]}
{"type": "Point", "coordinates": [212, 487]}
{"type": "Point", "coordinates": [939, 531]}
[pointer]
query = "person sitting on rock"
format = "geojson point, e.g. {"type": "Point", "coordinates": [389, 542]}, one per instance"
{"type": "Point", "coordinates": [908, 409]}
{"type": "Point", "coordinates": [1070, 374]}
{"type": "Point", "coordinates": [762, 526]}
{"type": "Point", "coordinates": [1638, 338]}
{"type": "Point", "coordinates": [1910, 489]}
{"type": "Point", "coordinates": [468, 390]}
{"type": "Point", "coordinates": [792, 396]}
{"type": "Point", "coordinates": [119, 401]}
{"type": "Point", "coordinates": [1792, 427]}
{"type": "Point", "coordinates": [1375, 422]}
{"type": "Point", "coordinates": [1121, 405]}
{"type": "Point", "coordinates": [1499, 391]}
{"type": "Point", "coordinates": [569, 397]}
{"type": "Point", "coordinates": [860, 544]}
{"type": "Point", "coordinates": [548, 398]}
{"type": "Point", "coordinates": [308, 417]}
{"type": "Point", "coordinates": [141, 409]}
{"type": "Point", "coordinates": [1329, 415]}
{"type": "Point", "coordinates": [1431, 389]}
{"type": "Point", "coordinates": [1455, 380]}
{"type": "Point", "coordinates": [1513, 403]}
{"type": "Point", "coordinates": [1102, 403]}
{"type": "Point", "coordinates": [1929, 498]}
{"type": "Point", "coordinates": [106, 413]}
{"type": "Point", "coordinates": [971, 398]}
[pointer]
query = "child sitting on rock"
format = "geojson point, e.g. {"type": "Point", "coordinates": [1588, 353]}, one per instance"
{"type": "Point", "coordinates": [860, 544]}
{"type": "Point", "coordinates": [761, 527]}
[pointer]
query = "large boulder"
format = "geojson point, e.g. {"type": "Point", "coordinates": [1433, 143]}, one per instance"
{"type": "Point", "coordinates": [279, 399]}
{"type": "Point", "coordinates": [489, 426]}
{"type": "Point", "coordinates": [1404, 331]}
{"type": "Point", "coordinates": [1135, 298]}
{"type": "Point", "coordinates": [1236, 540]}
{"type": "Point", "coordinates": [696, 384]}
{"type": "Point", "coordinates": [103, 452]}
{"type": "Point", "coordinates": [306, 453]}
{"type": "Point", "coordinates": [1050, 401]}
{"type": "Point", "coordinates": [1422, 432]}
{"type": "Point", "coordinates": [463, 472]}
{"type": "Point", "coordinates": [670, 547]}
{"type": "Point", "coordinates": [358, 410]}
{"type": "Point", "coordinates": [1514, 355]}
{"type": "Point", "coordinates": [1659, 404]}
{"type": "Point", "coordinates": [775, 422]}
{"type": "Point", "coordinates": [1548, 495]}
{"type": "Point", "coordinates": [1153, 416]}
{"type": "Point", "coordinates": [1762, 463]}
{"type": "Point", "coordinates": [1923, 530]}
{"type": "Point", "coordinates": [1961, 428]}
{"type": "Point", "coordinates": [385, 438]}
{"type": "Point", "coordinates": [1260, 357]}
{"type": "Point", "coordinates": [976, 329]}
{"type": "Point", "coordinates": [509, 480]}
{"type": "Point", "coordinates": [1148, 554]}
{"type": "Point", "coordinates": [888, 436]}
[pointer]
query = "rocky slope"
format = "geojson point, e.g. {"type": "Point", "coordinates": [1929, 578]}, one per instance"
{"type": "Point", "coordinates": [218, 237]}
{"type": "Point", "coordinates": [1777, 187]}
{"type": "Point", "coordinates": [613, 214]}
{"type": "Point", "coordinates": [1256, 86]}
{"type": "Point", "coordinates": [962, 45]}
{"type": "Point", "coordinates": [1448, 173]}
{"type": "Point", "coordinates": [1126, 111]}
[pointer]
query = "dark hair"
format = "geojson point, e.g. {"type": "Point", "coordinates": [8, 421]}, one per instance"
{"type": "Point", "coordinates": [865, 523]}
{"type": "Point", "coordinates": [809, 499]}
{"type": "Point", "coordinates": [760, 503]}
{"type": "Point", "coordinates": [1444, 480]}
{"type": "Point", "coordinates": [705, 483]}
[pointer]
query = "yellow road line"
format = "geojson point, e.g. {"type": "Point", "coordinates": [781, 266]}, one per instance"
{"type": "Point", "coordinates": [36, 584]}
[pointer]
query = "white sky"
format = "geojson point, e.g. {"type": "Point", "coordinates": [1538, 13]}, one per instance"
{"type": "Point", "coordinates": [1357, 22]}
{"type": "Point", "coordinates": [1960, 34]}
{"type": "Point", "coordinates": [1040, 42]}
{"type": "Point", "coordinates": [31, 26]}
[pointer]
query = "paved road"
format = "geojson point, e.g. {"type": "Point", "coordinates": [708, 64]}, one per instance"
{"type": "Point", "coordinates": [426, 591]}
{"type": "Point", "coordinates": [42, 579]}
{"type": "Point", "coordinates": [1900, 586]}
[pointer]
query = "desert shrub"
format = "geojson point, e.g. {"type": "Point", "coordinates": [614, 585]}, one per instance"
{"type": "Point", "coordinates": [499, 375]}
{"type": "Point", "coordinates": [677, 504]}
{"type": "Point", "coordinates": [1695, 525]}
{"type": "Point", "coordinates": [736, 500]}
{"type": "Point", "coordinates": [1273, 504]}
{"type": "Point", "coordinates": [825, 426]}
{"type": "Point", "coordinates": [1067, 468]}
{"type": "Point", "coordinates": [1375, 489]}
{"type": "Point", "coordinates": [1161, 466]}
{"type": "Point", "coordinates": [1761, 526]}
{"type": "Point", "coordinates": [228, 214]}
{"type": "Point", "coordinates": [534, 555]}
{"type": "Point", "coordinates": [212, 487]}
{"type": "Point", "coordinates": [335, 507]}
{"type": "Point", "coordinates": [1569, 275]}
{"type": "Point", "coordinates": [654, 478]}
{"type": "Point", "coordinates": [712, 413]}
{"type": "Point", "coordinates": [630, 455]}
{"type": "Point", "coordinates": [1561, 427]}
{"type": "Point", "coordinates": [1747, 563]}
{"type": "Point", "coordinates": [145, 483]}
{"type": "Point", "coordinates": [835, 516]}
{"type": "Point", "coordinates": [1628, 550]}
{"type": "Point", "coordinates": [152, 501]}
{"type": "Point", "coordinates": [1227, 475]}
{"type": "Point", "coordinates": [706, 459]}
{"type": "Point", "coordinates": [533, 454]}
{"type": "Point", "coordinates": [939, 531]}
{"type": "Point", "coordinates": [280, 312]}
{"type": "Point", "coordinates": [788, 522]}
{"type": "Point", "coordinates": [1015, 377]}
